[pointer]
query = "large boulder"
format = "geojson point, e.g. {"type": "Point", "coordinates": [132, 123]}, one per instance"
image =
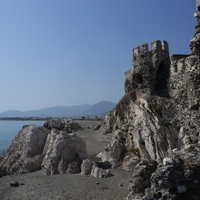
{"type": "Point", "coordinates": [64, 124]}
{"type": "Point", "coordinates": [142, 175]}
{"type": "Point", "coordinates": [54, 151]}
{"type": "Point", "coordinates": [99, 172]}
{"type": "Point", "coordinates": [113, 152]}
{"type": "Point", "coordinates": [60, 150]}
{"type": "Point", "coordinates": [25, 153]}
{"type": "Point", "coordinates": [86, 166]}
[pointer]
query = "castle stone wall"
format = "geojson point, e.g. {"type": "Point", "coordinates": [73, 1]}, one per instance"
{"type": "Point", "coordinates": [146, 63]}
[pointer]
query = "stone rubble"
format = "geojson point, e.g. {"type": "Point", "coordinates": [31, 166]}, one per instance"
{"type": "Point", "coordinates": [178, 180]}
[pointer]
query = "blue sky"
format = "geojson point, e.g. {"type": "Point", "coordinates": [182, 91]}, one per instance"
{"type": "Point", "coordinates": [70, 52]}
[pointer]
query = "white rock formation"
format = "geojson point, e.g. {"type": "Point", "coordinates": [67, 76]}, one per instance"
{"type": "Point", "coordinates": [62, 148]}
{"type": "Point", "coordinates": [64, 124]}
{"type": "Point", "coordinates": [140, 130]}
{"type": "Point", "coordinates": [25, 152]}
{"type": "Point", "coordinates": [36, 147]}
{"type": "Point", "coordinates": [86, 166]}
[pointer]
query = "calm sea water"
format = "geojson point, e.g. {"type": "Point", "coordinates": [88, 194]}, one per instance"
{"type": "Point", "coordinates": [8, 130]}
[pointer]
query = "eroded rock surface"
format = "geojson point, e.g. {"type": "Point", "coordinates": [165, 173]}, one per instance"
{"type": "Point", "coordinates": [60, 150]}
{"type": "Point", "coordinates": [142, 129]}
{"type": "Point", "coordinates": [157, 120]}
{"type": "Point", "coordinates": [62, 124]}
{"type": "Point", "coordinates": [86, 166]}
{"type": "Point", "coordinates": [54, 151]}
{"type": "Point", "coordinates": [160, 110]}
{"type": "Point", "coordinates": [25, 153]}
{"type": "Point", "coordinates": [99, 172]}
{"type": "Point", "coordinates": [176, 180]}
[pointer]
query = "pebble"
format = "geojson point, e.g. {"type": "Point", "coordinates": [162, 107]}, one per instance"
{"type": "Point", "coordinates": [14, 184]}
{"type": "Point", "coordinates": [181, 189]}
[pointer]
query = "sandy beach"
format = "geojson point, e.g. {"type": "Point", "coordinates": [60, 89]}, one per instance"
{"type": "Point", "coordinates": [37, 186]}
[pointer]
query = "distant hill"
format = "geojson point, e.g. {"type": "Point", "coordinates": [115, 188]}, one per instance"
{"type": "Point", "coordinates": [99, 109]}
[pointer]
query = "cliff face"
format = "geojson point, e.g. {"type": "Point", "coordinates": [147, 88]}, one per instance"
{"type": "Point", "coordinates": [160, 109]}
{"type": "Point", "coordinates": [156, 124]}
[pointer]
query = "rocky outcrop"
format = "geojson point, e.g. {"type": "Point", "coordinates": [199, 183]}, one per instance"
{"type": "Point", "coordinates": [96, 169]}
{"type": "Point", "coordinates": [54, 151]}
{"type": "Point", "coordinates": [86, 166]}
{"type": "Point", "coordinates": [177, 179]}
{"type": "Point", "coordinates": [160, 108]}
{"type": "Point", "coordinates": [25, 153]}
{"type": "Point", "coordinates": [158, 116]}
{"type": "Point", "coordinates": [142, 175]}
{"type": "Point", "coordinates": [62, 124]}
{"type": "Point", "coordinates": [142, 120]}
{"type": "Point", "coordinates": [60, 150]}
{"type": "Point", "coordinates": [141, 130]}
{"type": "Point", "coordinates": [99, 172]}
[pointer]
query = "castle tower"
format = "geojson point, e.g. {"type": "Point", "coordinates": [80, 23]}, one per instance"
{"type": "Point", "coordinates": [150, 69]}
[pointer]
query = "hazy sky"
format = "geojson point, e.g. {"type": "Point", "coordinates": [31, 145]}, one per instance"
{"type": "Point", "coordinates": [70, 52]}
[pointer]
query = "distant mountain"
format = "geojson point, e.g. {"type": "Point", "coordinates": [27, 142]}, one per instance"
{"type": "Point", "coordinates": [99, 109]}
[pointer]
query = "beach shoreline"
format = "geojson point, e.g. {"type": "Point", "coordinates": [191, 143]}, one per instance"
{"type": "Point", "coordinates": [36, 185]}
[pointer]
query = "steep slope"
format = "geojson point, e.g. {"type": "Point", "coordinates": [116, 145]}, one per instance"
{"type": "Point", "coordinates": [157, 122]}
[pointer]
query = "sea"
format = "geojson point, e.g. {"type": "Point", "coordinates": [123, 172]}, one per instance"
{"type": "Point", "coordinates": [8, 130]}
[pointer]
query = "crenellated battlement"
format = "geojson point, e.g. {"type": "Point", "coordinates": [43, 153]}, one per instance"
{"type": "Point", "coordinates": [155, 46]}
{"type": "Point", "coordinates": [178, 64]}
{"type": "Point", "coordinates": [160, 46]}
{"type": "Point", "coordinates": [150, 68]}
{"type": "Point", "coordinates": [140, 50]}
{"type": "Point", "coordinates": [136, 51]}
{"type": "Point", "coordinates": [165, 46]}
{"type": "Point", "coordinates": [143, 52]}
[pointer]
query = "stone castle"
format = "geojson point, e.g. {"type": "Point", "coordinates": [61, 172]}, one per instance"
{"type": "Point", "coordinates": [154, 73]}
{"type": "Point", "coordinates": [158, 120]}
{"type": "Point", "coordinates": [150, 69]}
{"type": "Point", "coordinates": [160, 109]}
